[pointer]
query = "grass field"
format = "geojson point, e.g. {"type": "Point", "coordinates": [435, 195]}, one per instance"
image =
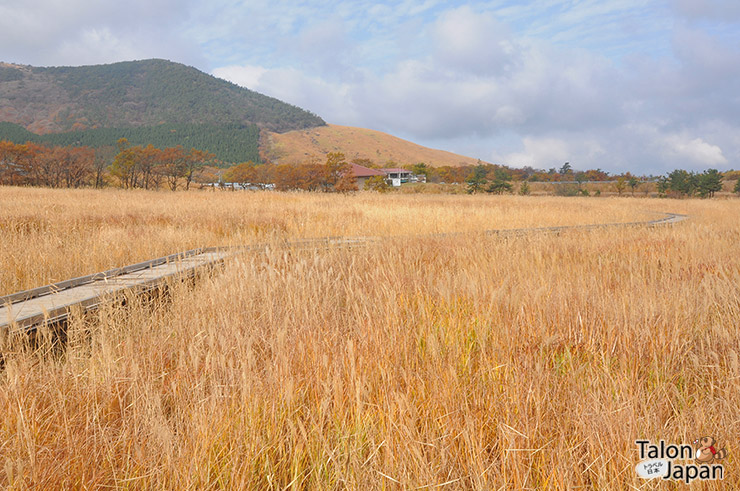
{"type": "Point", "coordinates": [466, 362]}
{"type": "Point", "coordinates": [52, 235]}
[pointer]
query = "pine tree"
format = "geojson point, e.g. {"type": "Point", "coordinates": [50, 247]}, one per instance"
{"type": "Point", "coordinates": [709, 182]}
{"type": "Point", "coordinates": [477, 179]}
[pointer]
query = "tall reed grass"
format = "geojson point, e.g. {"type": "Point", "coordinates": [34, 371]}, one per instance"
{"type": "Point", "coordinates": [53, 235]}
{"type": "Point", "coordinates": [467, 362]}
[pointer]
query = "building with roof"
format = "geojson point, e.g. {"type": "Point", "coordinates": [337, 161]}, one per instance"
{"type": "Point", "coordinates": [363, 173]}
{"type": "Point", "coordinates": [394, 175]}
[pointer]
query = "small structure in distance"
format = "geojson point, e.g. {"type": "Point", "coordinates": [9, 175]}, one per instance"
{"type": "Point", "coordinates": [395, 175]}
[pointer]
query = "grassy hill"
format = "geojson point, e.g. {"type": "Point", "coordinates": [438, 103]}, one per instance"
{"type": "Point", "coordinates": [314, 143]}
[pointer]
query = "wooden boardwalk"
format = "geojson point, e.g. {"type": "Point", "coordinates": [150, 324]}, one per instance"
{"type": "Point", "coordinates": [53, 303]}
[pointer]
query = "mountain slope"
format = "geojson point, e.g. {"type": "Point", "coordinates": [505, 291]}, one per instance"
{"type": "Point", "coordinates": [228, 142]}
{"type": "Point", "coordinates": [133, 94]}
{"type": "Point", "coordinates": [356, 143]}
{"type": "Point", "coordinates": [167, 104]}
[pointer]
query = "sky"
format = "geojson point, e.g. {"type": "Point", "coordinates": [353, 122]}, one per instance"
{"type": "Point", "coordinates": [622, 85]}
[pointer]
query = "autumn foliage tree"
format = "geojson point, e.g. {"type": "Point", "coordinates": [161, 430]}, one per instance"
{"type": "Point", "coordinates": [286, 177]}
{"type": "Point", "coordinates": [76, 165]}
{"type": "Point", "coordinates": [125, 164]}
{"type": "Point", "coordinates": [339, 176]}
{"type": "Point", "coordinates": [149, 159]}
{"type": "Point", "coordinates": [145, 167]}
{"type": "Point", "coordinates": [73, 166]}
{"type": "Point", "coordinates": [38, 165]}
{"type": "Point", "coordinates": [377, 183]}
{"type": "Point", "coordinates": [14, 167]}
{"type": "Point", "coordinates": [103, 157]}
{"type": "Point", "coordinates": [242, 174]}
{"type": "Point", "coordinates": [336, 168]}
{"type": "Point", "coordinates": [335, 175]}
{"type": "Point", "coordinates": [620, 185]}
{"type": "Point", "coordinates": [195, 160]}
{"type": "Point", "coordinates": [173, 166]}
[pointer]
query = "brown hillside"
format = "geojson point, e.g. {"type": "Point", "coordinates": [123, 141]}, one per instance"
{"type": "Point", "coordinates": [31, 99]}
{"type": "Point", "coordinates": [301, 146]}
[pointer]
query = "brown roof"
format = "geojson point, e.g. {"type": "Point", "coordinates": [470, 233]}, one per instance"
{"type": "Point", "coordinates": [361, 171]}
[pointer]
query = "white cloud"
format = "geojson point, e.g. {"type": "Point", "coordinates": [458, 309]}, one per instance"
{"type": "Point", "coordinates": [313, 93]}
{"type": "Point", "coordinates": [549, 152]}
{"type": "Point", "coordinates": [693, 152]}
{"type": "Point", "coordinates": [248, 76]}
{"type": "Point", "coordinates": [508, 115]}
{"type": "Point", "coordinates": [76, 32]}
{"type": "Point", "coordinates": [96, 45]}
{"type": "Point", "coordinates": [472, 42]}
{"type": "Point", "coordinates": [540, 152]}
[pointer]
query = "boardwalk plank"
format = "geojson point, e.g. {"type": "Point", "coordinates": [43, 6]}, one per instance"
{"type": "Point", "coordinates": [54, 306]}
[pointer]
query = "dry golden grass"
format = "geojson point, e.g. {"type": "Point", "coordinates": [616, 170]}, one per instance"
{"type": "Point", "coordinates": [297, 147]}
{"type": "Point", "coordinates": [53, 235]}
{"type": "Point", "coordinates": [458, 363]}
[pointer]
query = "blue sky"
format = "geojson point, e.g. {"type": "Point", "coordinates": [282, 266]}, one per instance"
{"type": "Point", "coordinates": [624, 85]}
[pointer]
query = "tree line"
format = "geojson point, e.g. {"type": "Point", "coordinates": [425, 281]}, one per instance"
{"type": "Point", "coordinates": [137, 166]}
{"type": "Point", "coordinates": [33, 164]}
{"type": "Point", "coordinates": [683, 183]}
{"type": "Point", "coordinates": [678, 183]}
{"type": "Point", "coordinates": [334, 175]}
{"type": "Point", "coordinates": [37, 165]}
{"type": "Point", "coordinates": [147, 167]}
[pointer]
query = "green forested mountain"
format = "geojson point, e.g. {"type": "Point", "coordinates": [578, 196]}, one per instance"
{"type": "Point", "coordinates": [230, 142]}
{"type": "Point", "coordinates": [17, 134]}
{"type": "Point", "coordinates": [146, 101]}
{"type": "Point", "coordinates": [135, 93]}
